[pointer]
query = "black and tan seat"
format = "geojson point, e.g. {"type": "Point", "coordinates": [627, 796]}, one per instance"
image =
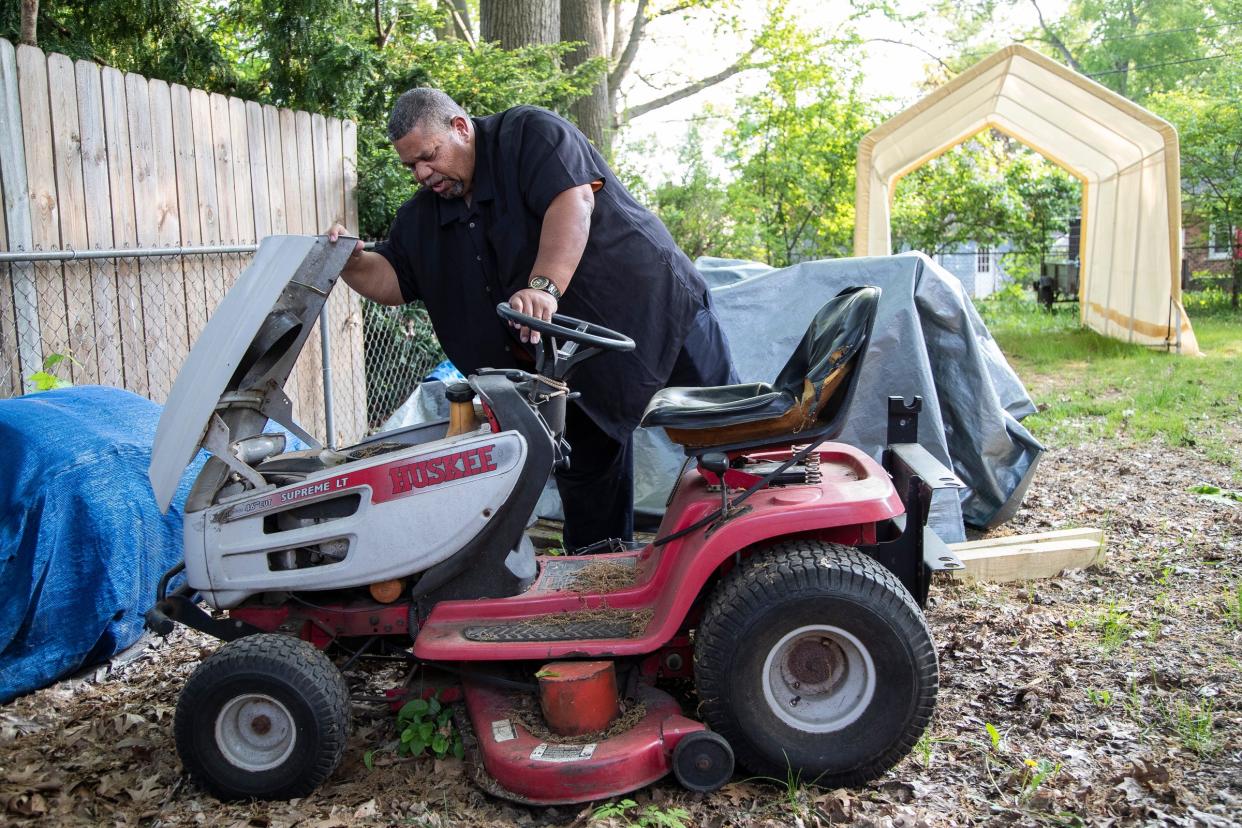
{"type": "Point", "coordinates": [808, 399]}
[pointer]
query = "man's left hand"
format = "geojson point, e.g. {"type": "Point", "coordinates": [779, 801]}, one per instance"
{"type": "Point", "coordinates": [537, 303]}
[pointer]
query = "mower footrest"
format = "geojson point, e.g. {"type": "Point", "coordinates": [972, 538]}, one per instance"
{"type": "Point", "coordinates": [539, 770]}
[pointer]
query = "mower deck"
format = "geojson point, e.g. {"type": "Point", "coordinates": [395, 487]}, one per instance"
{"type": "Point", "coordinates": [538, 771]}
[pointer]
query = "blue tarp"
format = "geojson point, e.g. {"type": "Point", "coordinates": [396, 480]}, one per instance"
{"type": "Point", "coordinates": [82, 543]}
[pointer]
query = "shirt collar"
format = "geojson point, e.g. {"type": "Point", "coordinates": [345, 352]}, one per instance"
{"type": "Point", "coordinates": [483, 188]}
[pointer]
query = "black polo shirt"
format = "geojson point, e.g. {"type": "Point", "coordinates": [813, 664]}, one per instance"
{"type": "Point", "coordinates": [462, 260]}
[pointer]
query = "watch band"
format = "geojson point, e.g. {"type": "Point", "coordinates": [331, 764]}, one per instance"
{"type": "Point", "coordinates": [546, 285]}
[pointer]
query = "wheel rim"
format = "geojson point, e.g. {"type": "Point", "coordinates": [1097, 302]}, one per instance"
{"type": "Point", "coordinates": [255, 732]}
{"type": "Point", "coordinates": [818, 678]}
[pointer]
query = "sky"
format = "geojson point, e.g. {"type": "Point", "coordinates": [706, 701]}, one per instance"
{"type": "Point", "coordinates": [684, 47]}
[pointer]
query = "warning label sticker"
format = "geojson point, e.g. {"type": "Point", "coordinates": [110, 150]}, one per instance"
{"type": "Point", "coordinates": [562, 753]}
{"type": "Point", "coordinates": [502, 731]}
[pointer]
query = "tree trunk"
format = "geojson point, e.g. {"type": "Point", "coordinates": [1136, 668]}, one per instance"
{"type": "Point", "coordinates": [582, 20]}
{"type": "Point", "coordinates": [518, 23]}
{"type": "Point", "coordinates": [30, 17]}
{"type": "Point", "coordinates": [1237, 282]}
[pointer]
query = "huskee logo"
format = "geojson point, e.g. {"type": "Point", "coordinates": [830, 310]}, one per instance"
{"type": "Point", "coordinates": [437, 470]}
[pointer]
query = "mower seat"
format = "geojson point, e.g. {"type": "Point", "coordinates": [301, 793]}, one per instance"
{"type": "Point", "coordinates": [809, 395]}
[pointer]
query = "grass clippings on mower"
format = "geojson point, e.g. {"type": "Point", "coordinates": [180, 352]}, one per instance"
{"type": "Point", "coordinates": [603, 576]}
{"type": "Point", "coordinates": [526, 712]}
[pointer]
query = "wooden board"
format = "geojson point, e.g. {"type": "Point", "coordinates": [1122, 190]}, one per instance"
{"type": "Point", "coordinates": [256, 154]}
{"type": "Point", "coordinates": [124, 231]}
{"type": "Point", "coordinates": [25, 301]}
{"type": "Point", "coordinates": [275, 169]}
{"type": "Point", "coordinates": [302, 218]}
{"type": "Point", "coordinates": [71, 198]}
{"type": "Point", "coordinates": [209, 199]}
{"type": "Point", "coordinates": [44, 205]}
{"type": "Point", "coordinates": [1025, 557]}
{"type": "Point", "coordinates": [170, 227]}
{"type": "Point", "coordinates": [226, 191]}
{"type": "Point", "coordinates": [107, 331]}
{"type": "Point", "coordinates": [10, 373]}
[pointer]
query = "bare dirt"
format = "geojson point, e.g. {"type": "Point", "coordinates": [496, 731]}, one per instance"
{"type": "Point", "coordinates": [1111, 696]}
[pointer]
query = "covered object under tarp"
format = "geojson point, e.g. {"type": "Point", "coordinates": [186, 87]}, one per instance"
{"type": "Point", "coordinates": [82, 543]}
{"type": "Point", "coordinates": [1126, 158]}
{"type": "Point", "coordinates": [928, 341]}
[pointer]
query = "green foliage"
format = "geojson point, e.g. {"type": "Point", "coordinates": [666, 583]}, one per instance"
{"type": "Point", "coordinates": [788, 195]}
{"type": "Point", "coordinates": [993, 735]}
{"type": "Point", "coordinates": [987, 190]}
{"type": "Point", "coordinates": [158, 38]}
{"type": "Point", "coordinates": [793, 150]}
{"type": "Point", "coordinates": [695, 207]}
{"type": "Point", "coordinates": [1208, 118]}
{"type": "Point", "coordinates": [47, 379]}
{"type": "Point", "coordinates": [628, 812]}
{"type": "Point", "coordinates": [426, 726]}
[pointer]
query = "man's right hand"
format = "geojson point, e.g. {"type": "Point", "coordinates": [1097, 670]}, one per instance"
{"type": "Point", "coordinates": [368, 273]}
{"type": "Point", "coordinates": [338, 230]}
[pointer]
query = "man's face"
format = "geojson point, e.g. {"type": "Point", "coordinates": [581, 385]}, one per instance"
{"type": "Point", "coordinates": [441, 158]}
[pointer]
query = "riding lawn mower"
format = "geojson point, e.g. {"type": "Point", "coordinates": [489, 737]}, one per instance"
{"type": "Point", "coordinates": [785, 581]}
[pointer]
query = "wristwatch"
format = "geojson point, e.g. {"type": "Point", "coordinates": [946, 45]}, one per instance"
{"type": "Point", "coordinates": [545, 284]}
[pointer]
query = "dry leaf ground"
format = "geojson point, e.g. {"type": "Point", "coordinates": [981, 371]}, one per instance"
{"type": "Point", "coordinates": [1111, 696]}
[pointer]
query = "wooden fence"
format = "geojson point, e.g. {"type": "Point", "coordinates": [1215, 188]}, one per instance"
{"type": "Point", "coordinates": [91, 158]}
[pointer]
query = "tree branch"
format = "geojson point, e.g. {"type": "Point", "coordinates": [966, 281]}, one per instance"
{"type": "Point", "coordinates": [626, 60]}
{"type": "Point", "coordinates": [943, 65]}
{"type": "Point", "coordinates": [1055, 41]}
{"type": "Point", "coordinates": [463, 31]}
{"type": "Point", "coordinates": [680, 7]}
{"type": "Point", "coordinates": [633, 112]}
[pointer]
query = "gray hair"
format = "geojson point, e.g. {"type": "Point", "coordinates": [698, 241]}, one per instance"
{"type": "Point", "coordinates": [421, 106]}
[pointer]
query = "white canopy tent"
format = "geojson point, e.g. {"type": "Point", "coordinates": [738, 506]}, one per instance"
{"type": "Point", "coordinates": [1126, 158]}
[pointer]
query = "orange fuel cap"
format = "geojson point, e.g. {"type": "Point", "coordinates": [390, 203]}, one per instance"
{"type": "Point", "coordinates": [578, 696]}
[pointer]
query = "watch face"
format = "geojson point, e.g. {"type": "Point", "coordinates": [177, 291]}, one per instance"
{"type": "Point", "coordinates": [539, 282]}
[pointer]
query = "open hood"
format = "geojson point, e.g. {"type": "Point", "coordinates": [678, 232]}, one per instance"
{"type": "Point", "coordinates": [233, 380]}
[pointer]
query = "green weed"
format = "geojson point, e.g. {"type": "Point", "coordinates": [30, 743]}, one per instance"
{"type": "Point", "coordinates": [1233, 607]}
{"type": "Point", "coordinates": [1034, 773]}
{"type": "Point", "coordinates": [648, 816]}
{"type": "Point", "coordinates": [1193, 725]}
{"type": "Point", "coordinates": [1114, 628]}
{"type": "Point", "coordinates": [1100, 698]}
{"type": "Point", "coordinates": [47, 379]}
{"type": "Point", "coordinates": [425, 725]}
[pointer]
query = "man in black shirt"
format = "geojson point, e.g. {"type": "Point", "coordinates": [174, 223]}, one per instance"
{"type": "Point", "coordinates": [519, 207]}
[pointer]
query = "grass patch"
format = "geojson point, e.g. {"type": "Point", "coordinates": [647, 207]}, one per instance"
{"type": "Point", "coordinates": [1091, 386]}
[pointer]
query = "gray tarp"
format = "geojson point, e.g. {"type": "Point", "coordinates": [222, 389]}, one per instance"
{"type": "Point", "coordinates": [928, 340]}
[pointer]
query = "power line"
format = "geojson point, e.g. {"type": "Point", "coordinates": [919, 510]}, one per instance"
{"type": "Point", "coordinates": [974, 53]}
{"type": "Point", "coordinates": [1165, 63]}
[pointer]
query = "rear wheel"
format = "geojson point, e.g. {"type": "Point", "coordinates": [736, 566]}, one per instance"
{"type": "Point", "coordinates": [813, 657]}
{"type": "Point", "coordinates": [265, 717]}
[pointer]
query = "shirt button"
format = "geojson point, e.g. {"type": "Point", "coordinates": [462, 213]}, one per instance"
{"type": "Point", "coordinates": [478, 258]}
{"type": "Point", "coordinates": [472, 225]}
{"type": "Point", "coordinates": [489, 290]}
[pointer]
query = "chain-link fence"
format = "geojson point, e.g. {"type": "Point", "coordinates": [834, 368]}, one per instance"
{"type": "Point", "coordinates": [128, 318]}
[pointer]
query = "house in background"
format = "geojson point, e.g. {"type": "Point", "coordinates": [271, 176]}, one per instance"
{"type": "Point", "coordinates": [1208, 248]}
{"type": "Point", "coordinates": [979, 267]}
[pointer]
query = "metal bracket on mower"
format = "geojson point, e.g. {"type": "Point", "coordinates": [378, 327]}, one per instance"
{"type": "Point", "coordinates": [913, 550]}
{"type": "Point", "coordinates": [180, 609]}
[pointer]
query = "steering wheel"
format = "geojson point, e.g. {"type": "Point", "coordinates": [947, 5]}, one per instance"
{"type": "Point", "coordinates": [568, 329]}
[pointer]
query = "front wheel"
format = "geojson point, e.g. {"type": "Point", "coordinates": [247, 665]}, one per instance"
{"type": "Point", "coordinates": [265, 717]}
{"type": "Point", "coordinates": [812, 657]}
